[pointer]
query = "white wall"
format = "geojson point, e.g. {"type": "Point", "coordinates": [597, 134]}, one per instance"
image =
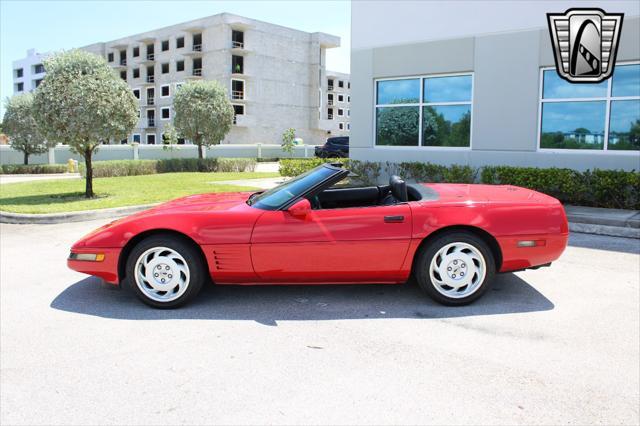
{"type": "Point", "coordinates": [384, 23]}
{"type": "Point", "coordinates": [61, 153]}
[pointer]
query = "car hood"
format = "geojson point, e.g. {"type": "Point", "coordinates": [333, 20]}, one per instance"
{"type": "Point", "coordinates": [168, 214]}
{"type": "Point", "coordinates": [202, 202]}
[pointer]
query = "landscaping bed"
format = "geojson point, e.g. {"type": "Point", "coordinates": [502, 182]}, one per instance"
{"type": "Point", "coordinates": [57, 196]}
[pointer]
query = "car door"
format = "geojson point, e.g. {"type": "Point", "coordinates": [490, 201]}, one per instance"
{"type": "Point", "coordinates": [347, 245]}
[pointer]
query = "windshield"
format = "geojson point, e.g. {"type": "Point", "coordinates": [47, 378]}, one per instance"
{"type": "Point", "coordinates": [282, 194]}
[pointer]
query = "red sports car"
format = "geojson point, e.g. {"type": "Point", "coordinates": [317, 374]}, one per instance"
{"type": "Point", "coordinates": [451, 238]}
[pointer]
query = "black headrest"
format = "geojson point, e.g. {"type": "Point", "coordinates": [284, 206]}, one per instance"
{"type": "Point", "coordinates": [398, 188]}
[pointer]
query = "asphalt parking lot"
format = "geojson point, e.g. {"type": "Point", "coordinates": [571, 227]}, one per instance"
{"type": "Point", "coordinates": [554, 346]}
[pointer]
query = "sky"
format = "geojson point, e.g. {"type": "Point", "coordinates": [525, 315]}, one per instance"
{"type": "Point", "coordinates": [50, 25]}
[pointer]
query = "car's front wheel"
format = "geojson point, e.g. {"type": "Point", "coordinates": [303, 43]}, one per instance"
{"type": "Point", "coordinates": [165, 271]}
{"type": "Point", "coordinates": [456, 268]}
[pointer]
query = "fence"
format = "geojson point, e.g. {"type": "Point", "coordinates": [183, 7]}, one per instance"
{"type": "Point", "coordinates": [61, 153]}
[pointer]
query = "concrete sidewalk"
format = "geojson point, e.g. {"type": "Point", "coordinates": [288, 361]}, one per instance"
{"type": "Point", "coordinates": [613, 222]}
{"type": "Point", "coordinates": [30, 178]}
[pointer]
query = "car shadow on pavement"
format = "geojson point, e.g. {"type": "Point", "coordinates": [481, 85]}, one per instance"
{"type": "Point", "coordinates": [269, 304]}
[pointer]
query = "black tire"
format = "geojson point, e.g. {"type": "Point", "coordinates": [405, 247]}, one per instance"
{"type": "Point", "coordinates": [196, 266]}
{"type": "Point", "coordinates": [425, 256]}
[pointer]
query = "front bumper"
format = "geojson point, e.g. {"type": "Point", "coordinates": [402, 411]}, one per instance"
{"type": "Point", "coordinates": [107, 269]}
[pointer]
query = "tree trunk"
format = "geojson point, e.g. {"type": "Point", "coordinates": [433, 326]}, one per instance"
{"type": "Point", "coordinates": [199, 149]}
{"type": "Point", "coordinates": [26, 158]}
{"type": "Point", "coordinates": [89, 178]}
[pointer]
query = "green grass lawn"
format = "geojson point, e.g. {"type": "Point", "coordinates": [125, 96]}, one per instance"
{"type": "Point", "coordinates": [66, 195]}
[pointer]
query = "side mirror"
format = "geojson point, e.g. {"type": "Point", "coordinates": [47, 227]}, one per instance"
{"type": "Point", "coordinates": [300, 209]}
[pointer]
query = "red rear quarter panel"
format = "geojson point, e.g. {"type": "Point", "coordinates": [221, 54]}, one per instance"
{"type": "Point", "coordinates": [510, 214]}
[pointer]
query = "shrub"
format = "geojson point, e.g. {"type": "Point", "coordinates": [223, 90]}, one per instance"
{"type": "Point", "coordinates": [613, 188]}
{"type": "Point", "coordinates": [597, 188]}
{"type": "Point", "coordinates": [173, 165]}
{"type": "Point", "coordinates": [428, 172]}
{"type": "Point", "coordinates": [178, 165]}
{"type": "Point", "coordinates": [18, 169]}
{"type": "Point", "coordinates": [296, 166]}
{"type": "Point", "coordinates": [370, 171]}
{"type": "Point", "coordinates": [236, 165]}
{"type": "Point", "coordinates": [114, 168]}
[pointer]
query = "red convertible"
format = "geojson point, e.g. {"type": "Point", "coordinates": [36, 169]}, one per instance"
{"type": "Point", "coordinates": [451, 238]}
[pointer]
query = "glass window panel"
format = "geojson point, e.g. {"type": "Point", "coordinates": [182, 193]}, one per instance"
{"type": "Point", "coordinates": [624, 128]}
{"type": "Point", "coordinates": [446, 125]}
{"type": "Point", "coordinates": [398, 91]}
{"type": "Point", "coordinates": [448, 89]}
{"type": "Point", "coordinates": [626, 80]}
{"type": "Point", "coordinates": [573, 125]}
{"type": "Point", "coordinates": [554, 87]}
{"type": "Point", "coordinates": [397, 126]}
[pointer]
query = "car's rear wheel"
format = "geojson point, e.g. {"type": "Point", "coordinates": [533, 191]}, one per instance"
{"type": "Point", "coordinates": [456, 268]}
{"type": "Point", "coordinates": [165, 271]}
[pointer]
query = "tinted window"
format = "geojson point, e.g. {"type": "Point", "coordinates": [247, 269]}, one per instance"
{"type": "Point", "coordinates": [338, 141]}
{"type": "Point", "coordinates": [624, 125]}
{"type": "Point", "coordinates": [447, 89]}
{"type": "Point", "coordinates": [555, 87]}
{"type": "Point", "coordinates": [282, 194]}
{"type": "Point", "coordinates": [573, 125]}
{"type": "Point", "coordinates": [398, 91]}
{"type": "Point", "coordinates": [446, 125]}
{"type": "Point", "coordinates": [397, 126]}
{"type": "Point", "coordinates": [626, 80]}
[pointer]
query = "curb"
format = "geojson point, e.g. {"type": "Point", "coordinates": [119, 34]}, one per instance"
{"type": "Point", "coordinates": [81, 216]}
{"type": "Point", "coordinates": [608, 230]}
{"type": "Point", "coordinates": [631, 222]}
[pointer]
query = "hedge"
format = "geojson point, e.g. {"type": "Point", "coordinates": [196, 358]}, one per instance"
{"type": "Point", "coordinates": [294, 166]}
{"type": "Point", "coordinates": [594, 188]}
{"type": "Point", "coordinates": [113, 168]}
{"type": "Point", "coordinates": [371, 171]}
{"type": "Point", "coordinates": [36, 169]}
{"type": "Point", "coordinates": [206, 165]}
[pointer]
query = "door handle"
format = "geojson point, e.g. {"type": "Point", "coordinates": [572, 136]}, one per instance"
{"type": "Point", "coordinates": [394, 219]}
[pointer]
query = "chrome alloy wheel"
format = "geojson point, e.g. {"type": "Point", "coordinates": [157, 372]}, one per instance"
{"type": "Point", "coordinates": [162, 274]}
{"type": "Point", "coordinates": [457, 270]}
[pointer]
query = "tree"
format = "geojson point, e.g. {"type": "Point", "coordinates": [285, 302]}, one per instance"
{"type": "Point", "coordinates": [20, 125]}
{"type": "Point", "coordinates": [83, 102]}
{"type": "Point", "coordinates": [169, 137]}
{"type": "Point", "coordinates": [289, 141]}
{"type": "Point", "coordinates": [203, 113]}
